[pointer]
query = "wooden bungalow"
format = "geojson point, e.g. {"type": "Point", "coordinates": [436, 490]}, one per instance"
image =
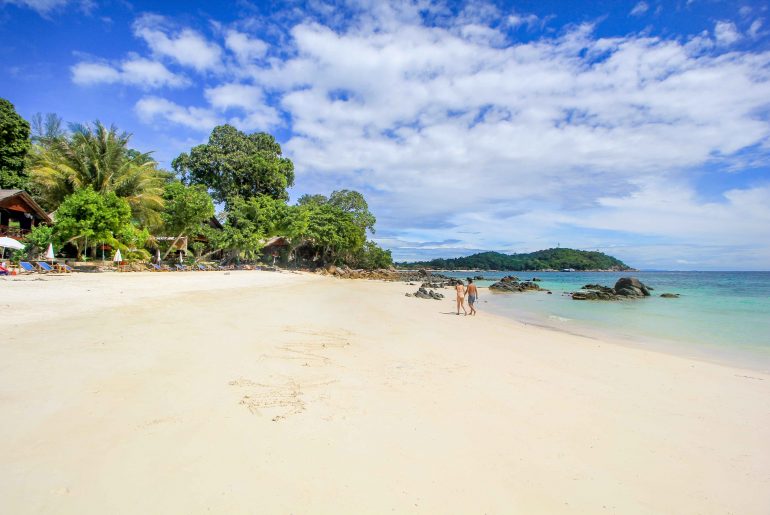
{"type": "Point", "coordinates": [274, 248]}
{"type": "Point", "coordinates": [19, 213]}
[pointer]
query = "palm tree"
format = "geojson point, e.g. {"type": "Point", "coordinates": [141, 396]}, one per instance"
{"type": "Point", "coordinates": [97, 156]}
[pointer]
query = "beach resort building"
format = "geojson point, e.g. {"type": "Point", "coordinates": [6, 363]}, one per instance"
{"type": "Point", "coordinates": [19, 213]}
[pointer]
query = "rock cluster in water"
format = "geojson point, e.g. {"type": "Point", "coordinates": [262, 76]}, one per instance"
{"type": "Point", "coordinates": [625, 288]}
{"type": "Point", "coordinates": [510, 283]}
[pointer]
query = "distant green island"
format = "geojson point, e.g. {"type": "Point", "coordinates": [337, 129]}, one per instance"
{"type": "Point", "coordinates": [549, 259]}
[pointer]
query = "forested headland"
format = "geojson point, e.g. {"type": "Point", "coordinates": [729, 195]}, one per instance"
{"type": "Point", "coordinates": [549, 259]}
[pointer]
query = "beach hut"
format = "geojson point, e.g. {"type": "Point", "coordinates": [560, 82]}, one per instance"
{"type": "Point", "coordinates": [273, 249]}
{"type": "Point", "coordinates": [19, 213]}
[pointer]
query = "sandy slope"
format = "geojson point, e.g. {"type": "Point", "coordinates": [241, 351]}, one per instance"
{"type": "Point", "coordinates": [258, 392]}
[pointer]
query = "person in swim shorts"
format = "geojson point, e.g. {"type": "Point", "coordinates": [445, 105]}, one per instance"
{"type": "Point", "coordinates": [460, 289]}
{"type": "Point", "coordinates": [473, 295]}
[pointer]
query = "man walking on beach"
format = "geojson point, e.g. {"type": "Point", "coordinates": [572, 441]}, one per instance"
{"type": "Point", "coordinates": [473, 295]}
{"type": "Point", "coordinates": [460, 289]}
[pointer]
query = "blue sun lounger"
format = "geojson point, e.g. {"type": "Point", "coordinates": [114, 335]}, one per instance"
{"type": "Point", "coordinates": [27, 267]}
{"type": "Point", "coordinates": [45, 267]}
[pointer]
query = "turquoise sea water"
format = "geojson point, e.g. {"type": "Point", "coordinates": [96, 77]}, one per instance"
{"type": "Point", "coordinates": [720, 316]}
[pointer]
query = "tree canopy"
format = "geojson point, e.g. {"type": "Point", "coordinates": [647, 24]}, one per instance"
{"type": "Point", "coordinates": [97, 157]}
{"type": "Point", "coordinates": [88, 215]}
{"type": "Point", "coordinates": [14, 145]}
{"type": "Point", "coordinates": [235, 164]}
{"type": "Point", "coordinates": [186, 210]}
{"type": "Point", "coordinates": [348, 201]}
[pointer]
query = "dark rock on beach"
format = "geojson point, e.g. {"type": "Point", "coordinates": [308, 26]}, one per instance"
{"type": "Point", "coordinates": [670, 295]}
{"type": "Point", "coordinates": [422, 293]}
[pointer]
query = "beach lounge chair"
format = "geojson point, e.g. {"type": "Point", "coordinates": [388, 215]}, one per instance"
{"type": "Point", "coordinates": [181, 268]}
{"type": "Point", "coordinates": [64, 268]}
{"type": "Point", "coordinates": [45, 267]}
{"type": "Point", "coordinates": [4, 271]}
{"type": "Point", "coordinates": [27, 267]}
{"type": "Point", "coordinates": [202, 268]}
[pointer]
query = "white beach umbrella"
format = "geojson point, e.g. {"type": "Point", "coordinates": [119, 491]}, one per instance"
{"type": "Point", "coordinates": [49, 252]}
{"type": "Point", "coordinates": [118, 258]}
{"type": "Point", "coordinates": [10, 243]}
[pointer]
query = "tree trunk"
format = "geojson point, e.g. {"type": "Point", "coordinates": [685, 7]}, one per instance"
{"type": "Point", "coordinates": [171, 247]}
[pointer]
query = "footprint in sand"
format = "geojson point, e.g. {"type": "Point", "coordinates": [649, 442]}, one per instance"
{"type": "Point", "coordinates": [308, 350]}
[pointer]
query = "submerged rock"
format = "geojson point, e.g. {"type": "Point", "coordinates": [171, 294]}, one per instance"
{"type": "Point", "coordinates": [670, 295]}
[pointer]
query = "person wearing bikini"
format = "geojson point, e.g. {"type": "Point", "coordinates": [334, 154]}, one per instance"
{"type": "Point", "coordinates": [460, 289]}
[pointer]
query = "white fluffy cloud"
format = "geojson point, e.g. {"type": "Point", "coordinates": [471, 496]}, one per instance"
{"type": "Point", "coordinates": [726, 33]}
{"type": "Point", "coordinates": [135, 71]}
{"type": "Point", "coordinates": [151, 108]}
{"type": "Point", "coordinates": [244, 47]}
{"type": "Point", "coordinates": [255, 114]}
{"type": "Point", "coordinates": [187, 47]}
{"type": "Point", "coordinates": [463, 138]}
{"type": "Point", "coordinates": [436, 122]}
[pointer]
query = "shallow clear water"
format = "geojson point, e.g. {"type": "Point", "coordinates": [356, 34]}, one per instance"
{"type": "Point", "coordinates": [720, 316]}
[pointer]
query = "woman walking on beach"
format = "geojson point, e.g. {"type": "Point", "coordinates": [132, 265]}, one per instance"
{"type": "Point", "coordinates": [460, 289]}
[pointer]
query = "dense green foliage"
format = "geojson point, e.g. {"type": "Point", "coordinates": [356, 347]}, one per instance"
{"type": "Point", "coordinates": [549, 259]}
{"type": "Point", "coordinates": [234, 164]}
{"type": "Point", "coordinates": [88, 218]}
{"type": "Point", "coordinates": [372, 256]}
{"type": "Point", "coordinates": [186, 209]}
{"type": "Point", "coordinates": [105, 193]}
{"type": "Point", "coordinates": [36, 242]}
{"type": "Point", "coordinates": [99, 158]}
{"type": "Point", "coordinates": [328, 234]}
{"type": "Point", "coordinates": [250, 222]}
{"type": "Point", "coordinates": [14, 145]}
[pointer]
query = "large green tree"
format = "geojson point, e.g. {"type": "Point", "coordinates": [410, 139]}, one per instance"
{"type": "Point", "coordinates": [14, 145]}
{"type": "Point", "coordinates": [348, 201]}
{"type": "Point", "coordinates": [87, 218]}
{"type": "Point", "coordinates": [251, 221]}
{"type": "Point", "coordinates": [235, 164]}
{"type": "Point", "coordinates": [372, 256]}
{"type": "Point", "coordinates": [186, 210]}
{"type": "Point", "coordinates": [331, 232]}
{"type": "Point", "coordinates": [98, 157]}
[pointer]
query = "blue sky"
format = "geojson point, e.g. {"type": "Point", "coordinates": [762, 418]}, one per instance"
{"type": "Point", "coordinates": [640, 128]}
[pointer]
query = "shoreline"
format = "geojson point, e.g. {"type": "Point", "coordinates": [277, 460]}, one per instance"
{"type": "Point", "coordinates": [283, 392]}
{"type": "Point", "coordinates": [713, 353]}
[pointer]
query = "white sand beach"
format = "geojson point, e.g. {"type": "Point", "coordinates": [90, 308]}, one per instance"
{"type": "Point", "coordinates": [261, 392]}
